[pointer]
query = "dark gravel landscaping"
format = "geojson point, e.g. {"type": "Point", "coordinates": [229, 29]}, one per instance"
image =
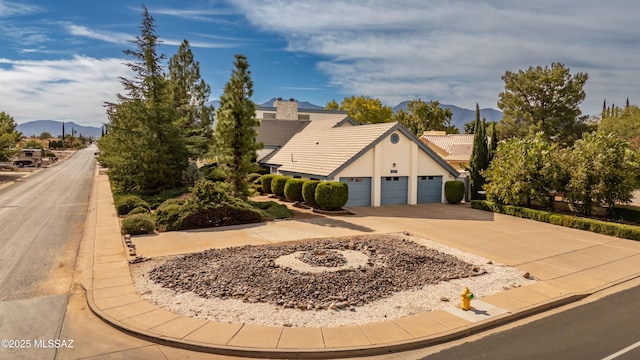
{"type": "Point", "coordinates": [250, 273]}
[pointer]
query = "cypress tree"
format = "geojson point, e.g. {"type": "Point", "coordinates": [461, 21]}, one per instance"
{"type": "Point", "coordinates": [493, 146]}
{"type": "Point", "coordinates": [604, 109]}
{"type": "Point", "coordinates": [235, 131]}
{"type": "Point", "coordinates": [479, 156]}
{"type": "Point", "coordinates": [63, 131]}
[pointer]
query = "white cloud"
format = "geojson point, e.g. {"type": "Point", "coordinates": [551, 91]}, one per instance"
{"type": "Point", "coordinates": [457, 51]}
{"type": "Point", "coordinates": [8, 9]}
{"type": "Point", "coordinates": [108, 36]}
{"type": "Point", "coordinates": [73, 89]}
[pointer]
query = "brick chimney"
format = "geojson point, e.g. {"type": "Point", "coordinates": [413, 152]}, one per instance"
{"type": "Point", "coordinates": [286, 109]}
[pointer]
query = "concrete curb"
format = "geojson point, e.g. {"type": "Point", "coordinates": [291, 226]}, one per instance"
{"type": "Point", "coordinates": [319, 353]}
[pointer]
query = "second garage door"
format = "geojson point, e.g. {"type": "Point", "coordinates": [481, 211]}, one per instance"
{"type": "Point", "coordinates": [429, 189]}
{"type": "Point", "coordinates": [394, 190]}
{"type": "Point", "coordinates": [359, 190]}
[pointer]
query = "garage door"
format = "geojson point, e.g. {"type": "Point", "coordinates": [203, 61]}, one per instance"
{"type": "Point", "coordinates": [394, 190]}
{"type": "Point", "coordinates": [429, 189]}
{"type": "Point", "coordinates": [359, 190]}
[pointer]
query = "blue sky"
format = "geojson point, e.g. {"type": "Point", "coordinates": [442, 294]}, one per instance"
{"type": "Point", "coordinates": [61, 59]}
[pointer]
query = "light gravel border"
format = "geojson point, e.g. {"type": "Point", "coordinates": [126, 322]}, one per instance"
{"type": "Point", "coordinates": [406, 303]}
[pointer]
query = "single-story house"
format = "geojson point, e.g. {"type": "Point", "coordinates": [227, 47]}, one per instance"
{"type": "Point", "coordinates": [381, 163]}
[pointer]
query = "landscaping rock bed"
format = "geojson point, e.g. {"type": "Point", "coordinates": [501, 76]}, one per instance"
{"type": "Point", "coordinates": [251, 273]}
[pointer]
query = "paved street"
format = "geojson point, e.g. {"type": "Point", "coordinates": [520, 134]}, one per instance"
{"type": "Point", "coordinates": [41, 225]}
{"type": "Point", "coordinates": [592, 331]}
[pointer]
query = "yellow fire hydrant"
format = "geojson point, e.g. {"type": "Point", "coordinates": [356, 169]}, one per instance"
{"type": "Point", "coordinates": [466, 299]}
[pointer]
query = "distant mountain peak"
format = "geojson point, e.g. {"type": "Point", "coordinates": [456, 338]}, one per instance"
{"type": "Point", "coordinates": [54, 127]}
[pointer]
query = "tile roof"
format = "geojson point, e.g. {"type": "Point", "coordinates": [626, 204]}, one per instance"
{"type": "Point", "coordinates": [447, 142]}
{"type": "Point", "coordinates": [321, 150]}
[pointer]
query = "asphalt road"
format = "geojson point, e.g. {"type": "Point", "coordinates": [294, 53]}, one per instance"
{"type": "Point", "coordinates": [605, 329]}
{"type": "Point", "coordinates": [41, 226]}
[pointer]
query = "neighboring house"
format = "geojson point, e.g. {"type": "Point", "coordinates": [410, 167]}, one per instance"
{"type": "Point", "coordinates": [381, 163]}
{"type": "Point", "coordinates": [280, 123]}
{"type": "Point", "coordinates": [455, 149]}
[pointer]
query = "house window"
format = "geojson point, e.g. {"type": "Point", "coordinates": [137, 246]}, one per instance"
{"type": "Point", "coordinates": [395, 138]}
{"type": "Point", "coordinates": [304, 117]}
{"type": "Point", "coordinates": [269, 116]}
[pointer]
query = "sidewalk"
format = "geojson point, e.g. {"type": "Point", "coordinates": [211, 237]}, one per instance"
{"type": "Point", "coordinates": [568, 264]}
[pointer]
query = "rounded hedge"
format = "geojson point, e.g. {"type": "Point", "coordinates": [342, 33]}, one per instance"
{"type": "Point", "coordinates": [138, 224]}
{"type": "Point", "coordinates": [139, 210]}
{"type": "Point", "coordinates": [277, 185]}
{"type": "Point", "coordinates": [252, 177]}
{"type": "Point", "coordinates": [167, 215]}
{"type": "Point", "coordinates": [266, 182]}
{"type": "Point", "coordinates": [309, 192]}
{"type": "Point", "coordinates": [128, 203]}
{"type": "Point", "coordinates": [454, 191]}
{"type": "Point", "coordinates": [331, 195]}
{"type": "Point", "coordinates": [293, 190]}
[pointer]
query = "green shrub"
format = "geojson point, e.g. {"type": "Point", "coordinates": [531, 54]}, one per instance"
{"type": "Point", "coordinates": [207, 192]}
{"type": "Point", "coordinates": [139, 210]}
{"type": "Point", "coordinates": [277, 185]}
{"type": "Point", "coordinates": [593, 225]}
{"type": "Point", "coordinates": [266, 181]}
{"type": "Point", "coordinates": [454, 191]}
{"type": "Point", "coordinates": [216, 174]}
{"type": "Point", "coordinates": [167, 215]}
{"type": "Point", "coordinates": [195, 217]}
{"type": "Point", "coordinates": [309, 192]}
{"type": "Point", "coordinates": [331, 195]}
{"type": "Point", "coordinates": [293, 190]}
{"type": "Point", "coordinates": [272, 209]}
{"type": "Point", "coordinates": [127, 203]}
{"type": "Point", "coordinates": [138, 224]}
{"type": "Point", "coordinates": [191, 174]}
{"type": "Point", "coordinates": [626, 213]}
{"type": "Point", "coordinates": [252, 177]}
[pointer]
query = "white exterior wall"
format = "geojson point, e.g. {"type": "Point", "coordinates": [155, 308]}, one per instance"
{"type": "Point", "coordinates": [409, 161]}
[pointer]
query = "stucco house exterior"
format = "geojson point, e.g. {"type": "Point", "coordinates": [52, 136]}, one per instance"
{"type": "Point", "coordinates": [381, 163]}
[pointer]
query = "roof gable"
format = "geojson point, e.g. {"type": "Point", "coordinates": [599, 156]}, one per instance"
{"type": "Point", "coordinates": [323, 151]}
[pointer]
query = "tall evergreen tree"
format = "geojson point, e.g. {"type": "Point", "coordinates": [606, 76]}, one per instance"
{"type": "Point", "coordinates": [144, 145]}
{"type": "Point", "coordinates": [604, 109]}
{"type": "Point", "coordinates": [235, 131]}
{"type": "Point", "coordinates": [63, 131]}
{"type": "Point", "coordinates": [190, 96]}
{"type": "Point", "coordinates": [479, 160]}
{"type": "Point", "coordinates": [493, 146]}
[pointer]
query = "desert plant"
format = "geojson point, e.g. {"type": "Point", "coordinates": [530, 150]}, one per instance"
{"type": "Point", "coordinates": [293, 189]}
{"type": "Point", "coordinates": [138, 224]}
{"type": "Point", "coordinates": [332, 195]}
{"type": "Point", "coordinates": [454, 191]}
{"type": "Point", "coordinates": [309, 192]}
{"type": "Point", "coordinates": [277, 185]}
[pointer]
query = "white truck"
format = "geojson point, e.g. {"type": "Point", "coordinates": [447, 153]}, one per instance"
{"type": "Point", "coordinates": [28, 157]}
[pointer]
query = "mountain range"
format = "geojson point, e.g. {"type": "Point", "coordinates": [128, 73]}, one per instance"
{"type": "Point", "coordinates": [53, 127]}
{"type": "Point", "coordinates": [460, 117]}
